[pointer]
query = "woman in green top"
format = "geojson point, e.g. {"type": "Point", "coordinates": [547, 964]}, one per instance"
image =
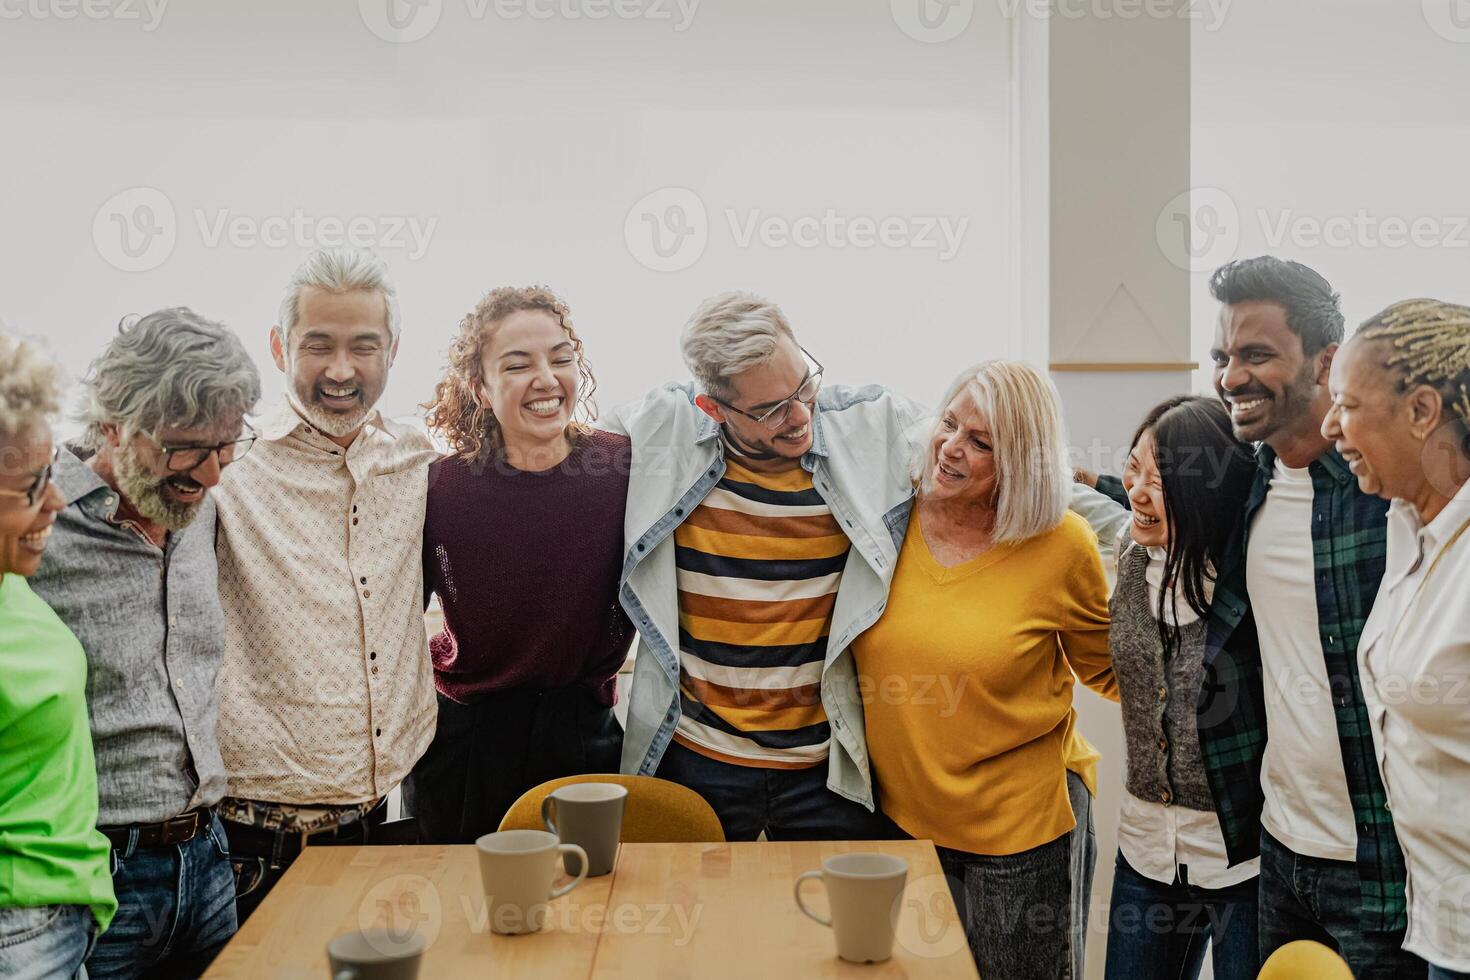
{"type": "Point", "coordinates": [55, 885]}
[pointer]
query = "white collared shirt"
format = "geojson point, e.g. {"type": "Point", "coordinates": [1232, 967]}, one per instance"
{"type": "Point", "coordinates": [1415, 661]}
{"type": "Point", "coordinates": [1155, 839]}
{"type": "Point", "coordinates": [326, 695]}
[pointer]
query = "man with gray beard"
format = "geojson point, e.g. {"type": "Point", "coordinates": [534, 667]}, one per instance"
{"type": "Point", "coordinates": [131, 569]}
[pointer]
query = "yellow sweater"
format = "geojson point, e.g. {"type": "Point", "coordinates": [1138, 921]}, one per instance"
{"type": "Point", "coordinates": [967, 688]}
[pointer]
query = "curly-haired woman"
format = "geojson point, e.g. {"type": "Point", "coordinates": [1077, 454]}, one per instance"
{"type": "Point", "coordinates": [55, 885]}
{"type": "Point", "coordinates": [523, 543]}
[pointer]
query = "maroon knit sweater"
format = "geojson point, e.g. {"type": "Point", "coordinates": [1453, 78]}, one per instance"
{"type": "Point", "coordinates": [526, 566]}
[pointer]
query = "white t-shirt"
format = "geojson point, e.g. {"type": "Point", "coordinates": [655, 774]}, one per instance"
{"type": "Point", "coordinates": [1307, 804]}
{"type": "Point", "coordinates": [1156, 839]}
{"type": "Point", "coordinates": [1415, 659]}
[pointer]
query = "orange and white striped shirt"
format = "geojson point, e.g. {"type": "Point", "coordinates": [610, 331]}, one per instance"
{"type": "Point", "coordinates": [759, 563]}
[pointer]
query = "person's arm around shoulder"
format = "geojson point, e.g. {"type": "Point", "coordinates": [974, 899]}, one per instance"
{"type": "Point", "coordinates": [1103, 483]}
{"type": "Point", "coordinates": [1084, 609]}
{"type": "Point", "coordinates": [911, 420]}
{"type": "Point", "coordinates": [624, 419]}
{"type": "Point", "coordinates": [1107, 518]}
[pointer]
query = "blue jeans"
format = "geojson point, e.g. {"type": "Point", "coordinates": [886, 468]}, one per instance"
{"type": "Point", "coordinates": [787, 804]}
{"type": "Point", "coordinates": [1159, 930]}
{"type": "Point", "coordinates": [176, 909]}
{"type": "Point", "coordinates": [1440, 973]}
{"type": "Point", "coordinates": [1311, 898]}
{"type": "Point", "coordinates": [45, 942]}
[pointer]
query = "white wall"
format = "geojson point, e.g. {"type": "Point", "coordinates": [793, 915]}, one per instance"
{"type": "Point", "coordinates": [1325, 130]}
{"type": "Point", "coordinates": [518, 146]}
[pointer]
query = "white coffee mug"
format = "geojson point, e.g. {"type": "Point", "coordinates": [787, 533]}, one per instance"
{"type": "Point", "coordinates": [516, 869]}
{"type": "Point", "coordinates": [864, 892]}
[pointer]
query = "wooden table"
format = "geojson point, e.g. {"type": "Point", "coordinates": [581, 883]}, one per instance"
{"type": "Point", "coordinates": [667, 910]}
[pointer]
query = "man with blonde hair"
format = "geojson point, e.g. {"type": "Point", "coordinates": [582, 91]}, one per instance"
{"type": "Point", "coordinates": [130, 568]}
{"type": "Point", "coordinates": [765, 515]}
{"type": "Point", "coordinates": [326, 694]}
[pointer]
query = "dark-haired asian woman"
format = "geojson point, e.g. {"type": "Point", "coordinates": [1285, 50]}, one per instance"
{"type": "Point", "coordinates": [1174, 893]}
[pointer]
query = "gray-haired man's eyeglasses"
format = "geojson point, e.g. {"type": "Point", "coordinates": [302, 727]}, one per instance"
{"type": "Point", "coordinates": [182, 459]}
{"type": "Point", "coordinates": [806, 393]}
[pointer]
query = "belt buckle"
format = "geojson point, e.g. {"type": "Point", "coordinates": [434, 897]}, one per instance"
{"type": "Point", "coordinates": [181, 829]}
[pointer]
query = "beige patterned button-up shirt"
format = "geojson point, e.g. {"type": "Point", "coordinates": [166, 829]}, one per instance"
{"type": "Point", "coordinates": [326, 695]}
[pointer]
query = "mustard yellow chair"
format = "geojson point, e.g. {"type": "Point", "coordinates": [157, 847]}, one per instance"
{"type": "Point", "coordinates": [1305, 960]}
{"type": "Point", "coordinates": [658, 811]}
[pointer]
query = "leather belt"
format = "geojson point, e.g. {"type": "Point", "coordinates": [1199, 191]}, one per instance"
{"type": "Point", "coordinates": [178, 830]}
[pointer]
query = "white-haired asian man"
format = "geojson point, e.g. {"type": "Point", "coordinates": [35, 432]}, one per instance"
{"type": "Point", "coordinates": [326, 695]}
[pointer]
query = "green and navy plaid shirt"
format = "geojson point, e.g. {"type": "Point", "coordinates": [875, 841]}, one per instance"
{"type": "Point", "coordinates": [1349, 531]}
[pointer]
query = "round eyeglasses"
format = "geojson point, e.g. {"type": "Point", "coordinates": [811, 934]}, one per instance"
{"type": "Point", "coordinates": [775, 416]}
{"type": "Point", "coordinates": [38, 485]}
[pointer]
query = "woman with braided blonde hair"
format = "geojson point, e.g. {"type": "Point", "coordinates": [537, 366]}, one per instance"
{"type": "Point", "coordinates": [523, 543]}
{"type": "Point", "coordinates": [1401, 418]}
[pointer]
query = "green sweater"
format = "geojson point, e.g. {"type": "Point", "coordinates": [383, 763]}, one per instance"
{"type": "Point", "coordinates": [51, 852]}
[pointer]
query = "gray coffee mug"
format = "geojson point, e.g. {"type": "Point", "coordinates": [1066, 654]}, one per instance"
{"type": "Point", "coordinates": [375, 955]}
{"type": "Point", "coordinates": [591, 816]}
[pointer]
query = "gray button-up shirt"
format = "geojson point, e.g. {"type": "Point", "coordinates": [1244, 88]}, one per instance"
{"type": "Point", "coordinates": [151, 623]}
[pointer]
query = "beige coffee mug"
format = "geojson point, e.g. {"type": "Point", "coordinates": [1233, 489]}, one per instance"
{"type": "Point", "coordinates": [516, 869]}
{"type": "Point", "coordinates": [864, 891]}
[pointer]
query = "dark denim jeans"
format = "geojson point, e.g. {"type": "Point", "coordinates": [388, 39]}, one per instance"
{"type": "Point", "coordinates": [787, 804]}
{"type": "Point", "coordinates": [1016, 909]}
{"type": "Point", "coordinates": [1025, 915]}
{"type": "Point", "coordinates": [45, 942]}
{"type": "Point", "coordinates": [1440, 973]}
{"type": "Point", "coordinates": [1310, 898]}
{"type": "Point", "coordinates": [1159, 930]}
{"type": "Point", "coordinates": [259, 859]}
{"type": "Point", "coordinates": [176, 910]}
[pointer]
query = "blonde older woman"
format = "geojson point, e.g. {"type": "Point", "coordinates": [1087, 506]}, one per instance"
{"type": "Point", "coordinates": [55, 886]}
{"type": "Point", "coordinates": [1401, 418]}
{"type": "Point", "coordinates": [998, 599]}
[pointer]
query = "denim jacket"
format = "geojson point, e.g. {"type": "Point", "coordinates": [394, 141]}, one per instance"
{"type": "Point", "coordinates": [864, 441]}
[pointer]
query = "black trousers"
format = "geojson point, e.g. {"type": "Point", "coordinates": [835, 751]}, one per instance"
{"type": "Point", "coordinates": [485, 755]}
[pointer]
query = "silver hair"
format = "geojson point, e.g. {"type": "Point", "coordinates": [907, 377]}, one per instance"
{"type": "Point", "coordinates": [30, 387]}
{"type": "Point", "coordinates": [338, 270]}
{"type": "Point", "coordinates": [169, 368]}
{"type": "Point", "coordinates": [730, 334]}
